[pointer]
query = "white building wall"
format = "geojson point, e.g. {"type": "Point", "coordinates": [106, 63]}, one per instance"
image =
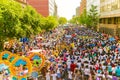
{"type": "Point", "coordinates": [93, 2]}
{"type": "Point", "coordinates": [51, 7]}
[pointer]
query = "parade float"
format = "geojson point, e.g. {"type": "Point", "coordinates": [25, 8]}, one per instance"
{"type": "Point", "coordinates": [4, 57]}
{"type": "Point", "coordinates": [37, 60]}
{"type": "Point", "coordinates": [21, 67]}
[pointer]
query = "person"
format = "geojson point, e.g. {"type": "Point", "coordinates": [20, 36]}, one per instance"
{"type": "Point", "coordinates": [59, 73]}
{"type": "Point", "coordinates": [114, 77]}
{"type": "Point", "coordinates": [1, 75]}
{"type": "Point", "coordinates": [77, 74]}
{"type": "Point", "coordinates": [48, 75]}
{"type": "Point", "coordinates": [117, 71]}
{"type": "Point", "coordinates": [72, 66]}
{"type": "Point", "coordinates": [65, 72]}
{"type": "Point", "coordinates": [109, 69]}
{"type": "Point", "coordinates": [86, 72]}
{"type": "Point", "coordinates": [5, 74]}
{"type": "Point", "coordinates": [54, 76]}
{"type": "Point", "coordinates": [70, 73]}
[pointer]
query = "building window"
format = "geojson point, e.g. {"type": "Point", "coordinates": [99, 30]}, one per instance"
{"type": "Point", "coordinates": [119, 20]}
{"type": "Point", "coordinates": [114, 5]}
{"type": "Point", "coordinates": [115, 20]}
{"type": "Point", "coordinates": [109, 7]}
{"type": "Point", "coordinates": [104, 21]}
{"type": "Point", "coordinates": [100, 21]}
{"type": "Point", "coordinates": [109, 20]}
{"type": "Point", "coordinates": [102, 9]}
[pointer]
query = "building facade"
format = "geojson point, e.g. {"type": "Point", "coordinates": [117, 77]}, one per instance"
{"type": "Point", "coordinates": [44, 7]}
{"type": "Point", "coordinates": [41, 6]}
{"type": "Point", "coordinates": [55, 10]}
{"type": "Point", "coordinates": [51, 8]}
{"type": "Point", "coordinates": [77, 11]}
{"type": "Point", "coordinates": [110, 17]}
{"type": "Point", "coordinates": [82, 6]}
{"type": "Point", "coordinates": [93, 2]}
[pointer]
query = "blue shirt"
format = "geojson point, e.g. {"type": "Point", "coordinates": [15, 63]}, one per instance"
{"type": "Point", "coordinates": [117, 71]}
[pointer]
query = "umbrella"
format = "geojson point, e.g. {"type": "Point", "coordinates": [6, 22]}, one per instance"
{"type": "Point", "coordinates": [111, 39]}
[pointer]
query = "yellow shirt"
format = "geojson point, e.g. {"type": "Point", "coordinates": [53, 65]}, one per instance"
{"type": "Point", "coordinates": [72, 45]}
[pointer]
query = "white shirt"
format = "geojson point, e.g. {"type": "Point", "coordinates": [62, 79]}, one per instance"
{"type": "Point", "coordinates": [69, 74]}
{"type": "Point", "coordinates": [54, 76]}
{"type": "Point", "coordinates": [100, 50]}
{"type": "Point", "coordinates": [103, 67]}
{"type": "Point", "coordinates": [68, 63]}
{"type": "Point", "coordinates": [79, 65]}
{"type": "Point", "coordinates": [87, 71]}
{"type": "Point", "coordinates": [58, 70]}
{"type": "Point", "coordinates": [48, 76]}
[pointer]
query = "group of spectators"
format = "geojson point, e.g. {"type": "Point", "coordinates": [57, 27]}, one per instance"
{"type": "Point", "coordinates": [77, 53]}
{"type": "Point", "coordinates": [93, 58]}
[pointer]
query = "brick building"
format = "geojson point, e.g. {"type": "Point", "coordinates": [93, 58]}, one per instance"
{"type": "Point", "coordinates": [44, 7]}
{"type": "Point", "coordinates": [82, 6]}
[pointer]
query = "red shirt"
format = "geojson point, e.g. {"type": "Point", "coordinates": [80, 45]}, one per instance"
{"type": "Point", "coordinates": [72, 67]}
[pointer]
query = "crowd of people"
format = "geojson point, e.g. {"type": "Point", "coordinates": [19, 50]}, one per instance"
{"type": "Point", "coordinates": [92, 57]}
{"type": "Point", "coordinates": [77, 53]}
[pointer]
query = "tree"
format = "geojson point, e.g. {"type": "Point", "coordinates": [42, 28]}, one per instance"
{"type": "Point", "coordinates": [62, 20]}
{"type": "Point", "coordinates": [17, 22]}
{"type": "Point", "coordinates": [49, 23]}
{"type": "Point", "coordinates": [74, 20]}
{"type": "Point", "coordinates": [90, 18]}
{"type": "Point", "coordinates": [10, 12]}
{"type": "Point", "coordinates": [83, 17]}
{"type": "Point", "coordinates": [31, 21]}
{"type": "Point", "coordinates": [93, 16]}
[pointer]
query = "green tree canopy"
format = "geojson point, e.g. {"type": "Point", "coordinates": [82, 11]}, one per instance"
{"type": "Point", "coordinates": [90, 19]}
{"type": "Point", "coordinates": [17, 22]}
{"type": "Point", "coordinates": [74, 20]}
{"type": "Point", "coordinates": [49, 23]}
{"type": "Point", "coordinates": [10, 12]}
{"type": "Point", "coordinates": [94, 17]}
{"type": "Point", "coordinates": [62, 20]}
